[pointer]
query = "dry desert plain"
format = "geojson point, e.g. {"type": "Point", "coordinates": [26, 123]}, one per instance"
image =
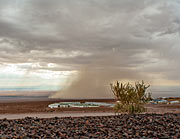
{"type": "Point", "coordinates": [33, 119]}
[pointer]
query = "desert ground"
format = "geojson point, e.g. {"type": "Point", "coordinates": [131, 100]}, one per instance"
{"type": "Point", "coordinates": [126, 126]}
{"type": "Point", "coordinates": [33, 119]}
{"type": "Point", "coordinates": [15, 109]}
{"type": "Point", "coordinates": [40, 106]}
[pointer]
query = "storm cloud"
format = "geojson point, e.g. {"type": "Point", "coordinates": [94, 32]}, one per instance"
{"type": "Point", "coordinates": [132, 39]}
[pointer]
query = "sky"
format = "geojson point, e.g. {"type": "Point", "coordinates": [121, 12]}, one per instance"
{"type": "Point", "coordinates": [52, 42]}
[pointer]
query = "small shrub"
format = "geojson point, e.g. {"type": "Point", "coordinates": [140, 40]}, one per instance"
{"type": "Point", "coordinates": [130, 99]}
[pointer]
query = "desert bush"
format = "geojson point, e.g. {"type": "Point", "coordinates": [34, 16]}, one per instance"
{"type": "Point", "coordinates": [130, 99]}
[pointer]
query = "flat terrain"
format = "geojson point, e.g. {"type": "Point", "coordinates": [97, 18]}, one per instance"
{"type": "Point", "coordinates": [33, 119]}
{"type": "Point", "coordinates": [41, 106]}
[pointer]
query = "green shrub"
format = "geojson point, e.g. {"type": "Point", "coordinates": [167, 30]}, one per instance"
{"type": "Point", "coordinates": [130, 99]}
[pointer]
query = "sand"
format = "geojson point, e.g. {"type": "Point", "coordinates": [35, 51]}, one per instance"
{"type": "Point", "coordinates": [50, 115]}
{"type": "Point", "coordinates": [41, 106]}
{"type": "Point", "coordinates": [21, 108]}
{"type": "Point", "coordinates": [15, 109]}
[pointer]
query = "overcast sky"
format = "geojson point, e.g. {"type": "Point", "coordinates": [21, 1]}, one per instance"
{"type": "Point", "coordinates": [47, 41]}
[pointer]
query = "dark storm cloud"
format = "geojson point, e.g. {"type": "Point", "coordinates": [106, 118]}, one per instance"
{"type": "Point", "coordinates": [138, 36]}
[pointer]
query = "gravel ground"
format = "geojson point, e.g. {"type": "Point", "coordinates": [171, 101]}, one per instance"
{"type": "Point", "coordinates": [120, 126]}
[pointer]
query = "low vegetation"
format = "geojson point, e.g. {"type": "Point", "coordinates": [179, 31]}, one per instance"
{"type": "Point", "coordinates": [130, 99]}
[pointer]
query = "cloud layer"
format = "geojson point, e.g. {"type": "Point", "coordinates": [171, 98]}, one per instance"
{"type": "Point", "coordinates": [135, 39]}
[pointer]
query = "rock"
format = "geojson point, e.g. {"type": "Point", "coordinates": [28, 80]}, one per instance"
{"type": "Point", "coordinates": [121, 126]}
